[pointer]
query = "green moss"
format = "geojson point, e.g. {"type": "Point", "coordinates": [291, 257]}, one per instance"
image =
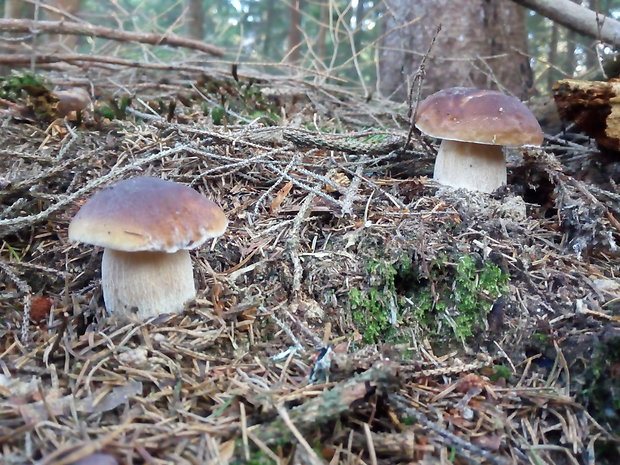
{"type": "Point", "coordinates": [257, 456]}
{"type": "Point", "coordinates": [451, 298]}
{"type": "Point", "coordinates": [242, 98]}
{"type": "Point", "coordinates": [18, 85]}
{"type": "Point", "coordinates": [540, 339]}
{"type": "Point", "coordinates": [500, 371]}
{"type": "Point", "coordinates": [474, 290]}
{"type": "Point", "coordinates": [376, 310]}
{"type": "Point", "coordinates": [458, 297]}
{"type": "Point", "coordinates": [601, 392]}
{"type": "Point", "coordinates": [218, 113]}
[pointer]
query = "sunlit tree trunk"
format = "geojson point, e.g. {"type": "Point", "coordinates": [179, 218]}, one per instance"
{"type": "Point", "coordinates": [482, 44]}
{"type": "Point", "coordinates": [195, 20]}
{"type": "Point", "coordinates": [571, 46]}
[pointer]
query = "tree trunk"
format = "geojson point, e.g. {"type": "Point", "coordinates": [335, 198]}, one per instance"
{"type": "Point", "coordinates": [482, 44]}
{"type": "Point", "coordinates": [553, 55]}
{"type": "Point", "coordinates": [268, 24]}
{"type": "Point", "coordinates": [294, 32]}
{"type": "Point", "coordinates": [71, 8]}
{"type": "Point", "coordinates": [571, 46]}
{"type": "Point", "coordinates": [359, 31]}
{"type": "Point", "coordinates": [195, 20]}
{"type": "Point", "coordinates": [321, 40]}
{"type": "Point", "coordinates": [13, 9]}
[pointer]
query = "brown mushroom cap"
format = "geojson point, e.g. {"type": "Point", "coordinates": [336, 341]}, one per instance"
{"type": "Point", "coordinates": [147, 214]}
{"type": "Point", "coordinates": [480, 116]}
{"type": "Point", "coordinates": [75, 99]}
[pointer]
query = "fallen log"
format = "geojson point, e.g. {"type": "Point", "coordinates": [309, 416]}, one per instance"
{"type": "Point", "coordinates": [594, 107]}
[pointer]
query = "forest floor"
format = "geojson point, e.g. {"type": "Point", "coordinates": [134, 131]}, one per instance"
{"type": "Point", "coordinates": [355, 312]}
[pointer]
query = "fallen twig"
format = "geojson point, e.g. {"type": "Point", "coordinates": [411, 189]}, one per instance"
{"type": "Point", "coordinates": [64, 27]}
{"type": "Point", "coordinates": [462, 446]}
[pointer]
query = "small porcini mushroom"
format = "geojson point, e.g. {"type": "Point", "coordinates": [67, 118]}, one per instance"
{"type": "Point", "coordinates": [474, 125]}
{"type": "Point", "coordinates": [146, 226]}
{"type": "Point", "coordinates": [72, 100]}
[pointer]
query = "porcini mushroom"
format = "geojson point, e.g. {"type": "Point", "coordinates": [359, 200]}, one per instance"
{"type": "Point", "coordinates": [474, 125]}
{"type": "Point", "coordinates": [146, 226]}
{"type": "Point", "coordinates": [72, 100]}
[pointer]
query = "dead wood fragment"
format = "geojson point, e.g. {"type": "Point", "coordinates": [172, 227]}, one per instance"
{"type": "Point", "coordinates": [462, 447]}
{"type": "Point", "coordinates": [395, 445]}
{"type": "Point", "coordinates": [332, 403]}
{"type": "Point", "coordinates": [588, 215]}
{"type": "Point", "coordinates": [345, 143]}
{"type": "Point", "coordinates": [594, 107]}
{"type": "Point", "coordinates": [66, 27]}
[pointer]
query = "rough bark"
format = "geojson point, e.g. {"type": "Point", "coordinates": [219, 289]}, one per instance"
{"type": "Point", "coordinates": [13, 8]}
{"type": "Point", "coordinates": [268, 28]}
{"type": "Point", "coordinates": [195, 20]}
{"type": "Point", "coordinates": [294, 32]}
{"type": "Point", "coordinates": [594, 107]}
{"type": "Point", "coordinates": [67, 9]}
{"type": "Point", "coordinates": [359, 18]}
{"type": "Point", "coordinates": [553, 55]}
{"type": "Point", "coordinates": [578, 18]}
{"type": "Point", "coordinates": [321, 39]}
{"type": "Point", "coordinates": [482, 44]}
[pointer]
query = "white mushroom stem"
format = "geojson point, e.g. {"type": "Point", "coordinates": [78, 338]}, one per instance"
{"type": "Point", "coordinates": [140, 285]}
{"type": "Point", "coordinates": [479, 167]}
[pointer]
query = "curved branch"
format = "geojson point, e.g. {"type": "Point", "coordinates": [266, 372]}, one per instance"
{"type": "Point", "coordinates": [85, 29]}
{"type": "Point", "coordinates": [577, 18]}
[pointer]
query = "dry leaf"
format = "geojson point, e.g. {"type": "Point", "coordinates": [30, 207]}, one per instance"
{"type": "Point", "coordinates": [226, 451]}
{"type": "Point", "coordinates": [40, 307]}
{"type": "Point", "coordinates": [280, 196]}
{"type": "Point", "coordinates": [339, 178]}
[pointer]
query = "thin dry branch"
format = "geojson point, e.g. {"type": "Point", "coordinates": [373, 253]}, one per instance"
{"type": "Point", "coordinates": [14, 224]}
{"type": "Point", "coordinates": [64, 27]}
{"type": "Point", "coordinates": [463, 447]}
{"type": "Point", "coordinates": [24, 59]}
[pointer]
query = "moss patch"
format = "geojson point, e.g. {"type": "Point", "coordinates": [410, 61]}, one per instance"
{"type": "Point", "coordinates": [450, 300]}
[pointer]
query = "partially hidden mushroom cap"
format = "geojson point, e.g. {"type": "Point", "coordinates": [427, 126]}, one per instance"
{"type": "Point", "coordinates": [74, 99]}
{"type": "Point", "coordinates": [147, 214]}
{"type": "Point", "coordinates": [480, 116]}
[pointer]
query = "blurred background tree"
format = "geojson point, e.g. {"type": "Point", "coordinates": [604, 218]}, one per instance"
{"type": "Point", "coordinates": [481, 44]}
{"type": "Point", "coordinates": [373, 44]}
